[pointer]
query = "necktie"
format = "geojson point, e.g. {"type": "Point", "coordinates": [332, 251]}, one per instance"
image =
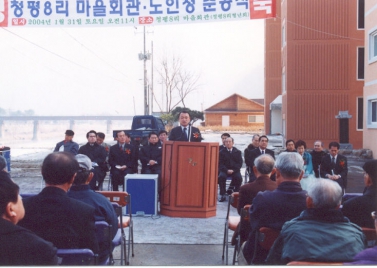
{"type": "Point", "coordinates": [121, 147]}
{"type": "Point", "coordinates": [333, 161]}
{"type": "Point", "coordinates": [262, 151]}
{"type": "Point", "coordinates": [185, 131]}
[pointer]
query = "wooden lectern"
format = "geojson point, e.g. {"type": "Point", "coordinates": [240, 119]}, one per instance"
{"type": "Point", "coordinates": [189, 179]}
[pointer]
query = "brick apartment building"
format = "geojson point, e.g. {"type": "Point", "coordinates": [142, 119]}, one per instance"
{"type": "Point", "coordinates": [314, 68]}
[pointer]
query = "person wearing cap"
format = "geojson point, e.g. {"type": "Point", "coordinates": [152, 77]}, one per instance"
{"type": "Point", "coordinates": [67, 145]}
{"type": "Point", "coordinates": [103, 210]}
{"type": "Point", "coordinates": [52, 215]}
{"type": "Point", "coordinates": [3, 169]}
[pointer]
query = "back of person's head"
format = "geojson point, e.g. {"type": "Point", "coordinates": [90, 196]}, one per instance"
{"type": "Point", "coordinates": [8, 193]}
{"type": "Point", "coordinates": [3, 163]}
{"type": "Point", "coordinates": [101, 135]}
{"type": "Point", "coordinates": [91, 131]}
{"type": "Point", "coordinates": [58, 168]}
{"type": "Point", "coordinates": [264, 163]}
{"type": "Point", "coordinates": [325, 194]}
{"type": "Point", "coordinates": [370, 167]}
{"type": "Point", "coordinates": [290, 165]}
{"type": "Point", "coordinates": [85, 168]}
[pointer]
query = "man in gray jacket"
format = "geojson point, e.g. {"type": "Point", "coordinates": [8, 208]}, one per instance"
{"type": "Point", "coordinates": [321, 233]}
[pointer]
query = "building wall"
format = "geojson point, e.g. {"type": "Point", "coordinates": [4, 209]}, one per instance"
{"type": "Point", "coordinates": [272, 57]}
{"type": "Point", "coordinates": [370, 87]}
{"type": "Point", "coordinates": [319, 60]}
{"type": "Point", "coordinates": [235, 119]}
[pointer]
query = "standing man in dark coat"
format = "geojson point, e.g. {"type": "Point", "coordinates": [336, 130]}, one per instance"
{"type": "Point", "coordinates": [262, 149]}
{"type": "Point", "coordinates": [52, 215]}
{"type": "Point", "coordinates": [67, 145]}
{"type": "Point", "coordinates": [185, 132]}
{"type": "Point", "coordinates": [334, 166]}
{"type": "Point", "coordinates": [317, 154]}
{"type": "Point", "coordinates": [121, 160]}
{"type": "Point", "coordinates": [230, 163]}
{"type": "Point", "coordinates": [97, 155]}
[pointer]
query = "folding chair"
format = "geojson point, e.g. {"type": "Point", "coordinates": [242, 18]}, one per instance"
{"type": "Point", "coordinates": [120, 200]}
{"type": "Point", "coordinates": [103, 234]}
{"type": "Point", "coordinates": [82, 256]}
{"type": "Point", "coordinates": [244, 222]}
{"type": "Point", "coordinates": [231, 222]}
{"type": "Point", "coordinates": [264, 239]}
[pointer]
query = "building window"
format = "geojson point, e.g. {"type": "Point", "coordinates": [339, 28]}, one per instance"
{"type": "Point", "coordinates": [360, 113]}
{"type": "Point", "coordinates": [255, 118]}
{"type": "Point", "coordinates": [360, 14]}
{"type": "Point", "coordinates": [372, 112]}
{"type": "Point", "coordinates": [360, 63]}
{"type": "Point", "coordinates": [373, 46]}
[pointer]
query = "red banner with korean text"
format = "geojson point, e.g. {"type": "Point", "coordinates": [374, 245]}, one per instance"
{"type": "Point", "coordinates": [97, 13]}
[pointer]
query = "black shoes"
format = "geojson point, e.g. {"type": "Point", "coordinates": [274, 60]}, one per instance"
{"type": "Point", "coordinates": [229, 192]}
{"type": "Point", "coordinates": [222, 198]}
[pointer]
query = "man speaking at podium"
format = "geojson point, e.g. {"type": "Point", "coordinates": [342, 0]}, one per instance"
{"type": "Point", "coordinates": [185, 132]}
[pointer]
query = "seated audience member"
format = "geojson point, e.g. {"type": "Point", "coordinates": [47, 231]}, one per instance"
{"type": "Point", "coordinates": [52, 215]}
{"type": "Point", "coordinates": [67, 145]}
{"type": "Point", "coordinates": [253, 145]}
{"type": "Point", "coordinates": [321, 233]}
{"type": "Point", "coordinates": [162, 136]}
{"type": "Point", "coordinates": [103, 210]}
{"type": "Point", "coordinates": [101, 141]}
{"type": "Point", "coordinates": [230, 163]}
{"type": "Point", "coordinates": [253, 154]}
{"type": "Point", "coordinates": [358, 209]}
{"type": "Point", "coordinates": [97, 155]}
{"type": "Point", "coordinates": [150, 157]}
{"type": "Point", "coordinates": [334, 165]}
{"type": "Point", "coordinates": [308, 166]}
{"type": "Point", "coordinates": [273, 208]}
{"type": "Point", "coordinates": [263, 168]}
{"type": "Point", "coordinates": [121, 160]}
{"type": "Point", "coordinates": [290, 146]}
{"type": "Point", "coordinates": [224, 136]}
{"type": "Point", "coordinates": [3, 169]}
{"type": "Point", "coordinates": [317, 154]}
{"type": "Point", "coordinates": [19, 246]}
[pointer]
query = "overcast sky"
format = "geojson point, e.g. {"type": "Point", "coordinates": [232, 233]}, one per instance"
{"type": "Point", "coordinates": [96, 71]}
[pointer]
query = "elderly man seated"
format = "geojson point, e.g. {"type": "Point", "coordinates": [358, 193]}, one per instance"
{"type": "Point", "coordinates": [321, 233]}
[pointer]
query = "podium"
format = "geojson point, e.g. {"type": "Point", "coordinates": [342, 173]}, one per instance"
{"type": "Point", "coordinates": [189, 179]}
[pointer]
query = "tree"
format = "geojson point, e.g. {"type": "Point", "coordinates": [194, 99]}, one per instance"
{"type": "Point", "coordinates": [177, 83]}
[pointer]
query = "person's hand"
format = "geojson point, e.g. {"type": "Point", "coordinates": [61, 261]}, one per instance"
{"type": "Point", "coordinates": [152, 162]}
{"type": "Point", "coordinates": [123, 167]}
{"type": "Point", "coordinates": [230, 171]}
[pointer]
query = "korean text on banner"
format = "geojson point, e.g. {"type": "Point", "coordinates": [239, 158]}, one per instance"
{"type": "Point", "coordinates": [98, 13]}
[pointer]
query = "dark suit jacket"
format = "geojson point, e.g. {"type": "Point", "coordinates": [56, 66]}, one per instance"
{"type": "Point", "coordinates": [96, 153]}
{"type": "Point", "coordinates": [250, 161]}
{"type": "Point", "coordinates": [359, 208]}
{"type": "Point", "coordinates": [126, 157]}
{"type": "Point", "coordinates": [341, 168]}
{"type": "Point", "coordinates": [176, 134]}
{"type": "Point", "coordinates": [230, 160]}
{"type": "Point", "coordinates": [64, 221]}
{"type": "Point", "coordinates": [249, 190]}
{"type": "Point", "coordinates": [19, 246]}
